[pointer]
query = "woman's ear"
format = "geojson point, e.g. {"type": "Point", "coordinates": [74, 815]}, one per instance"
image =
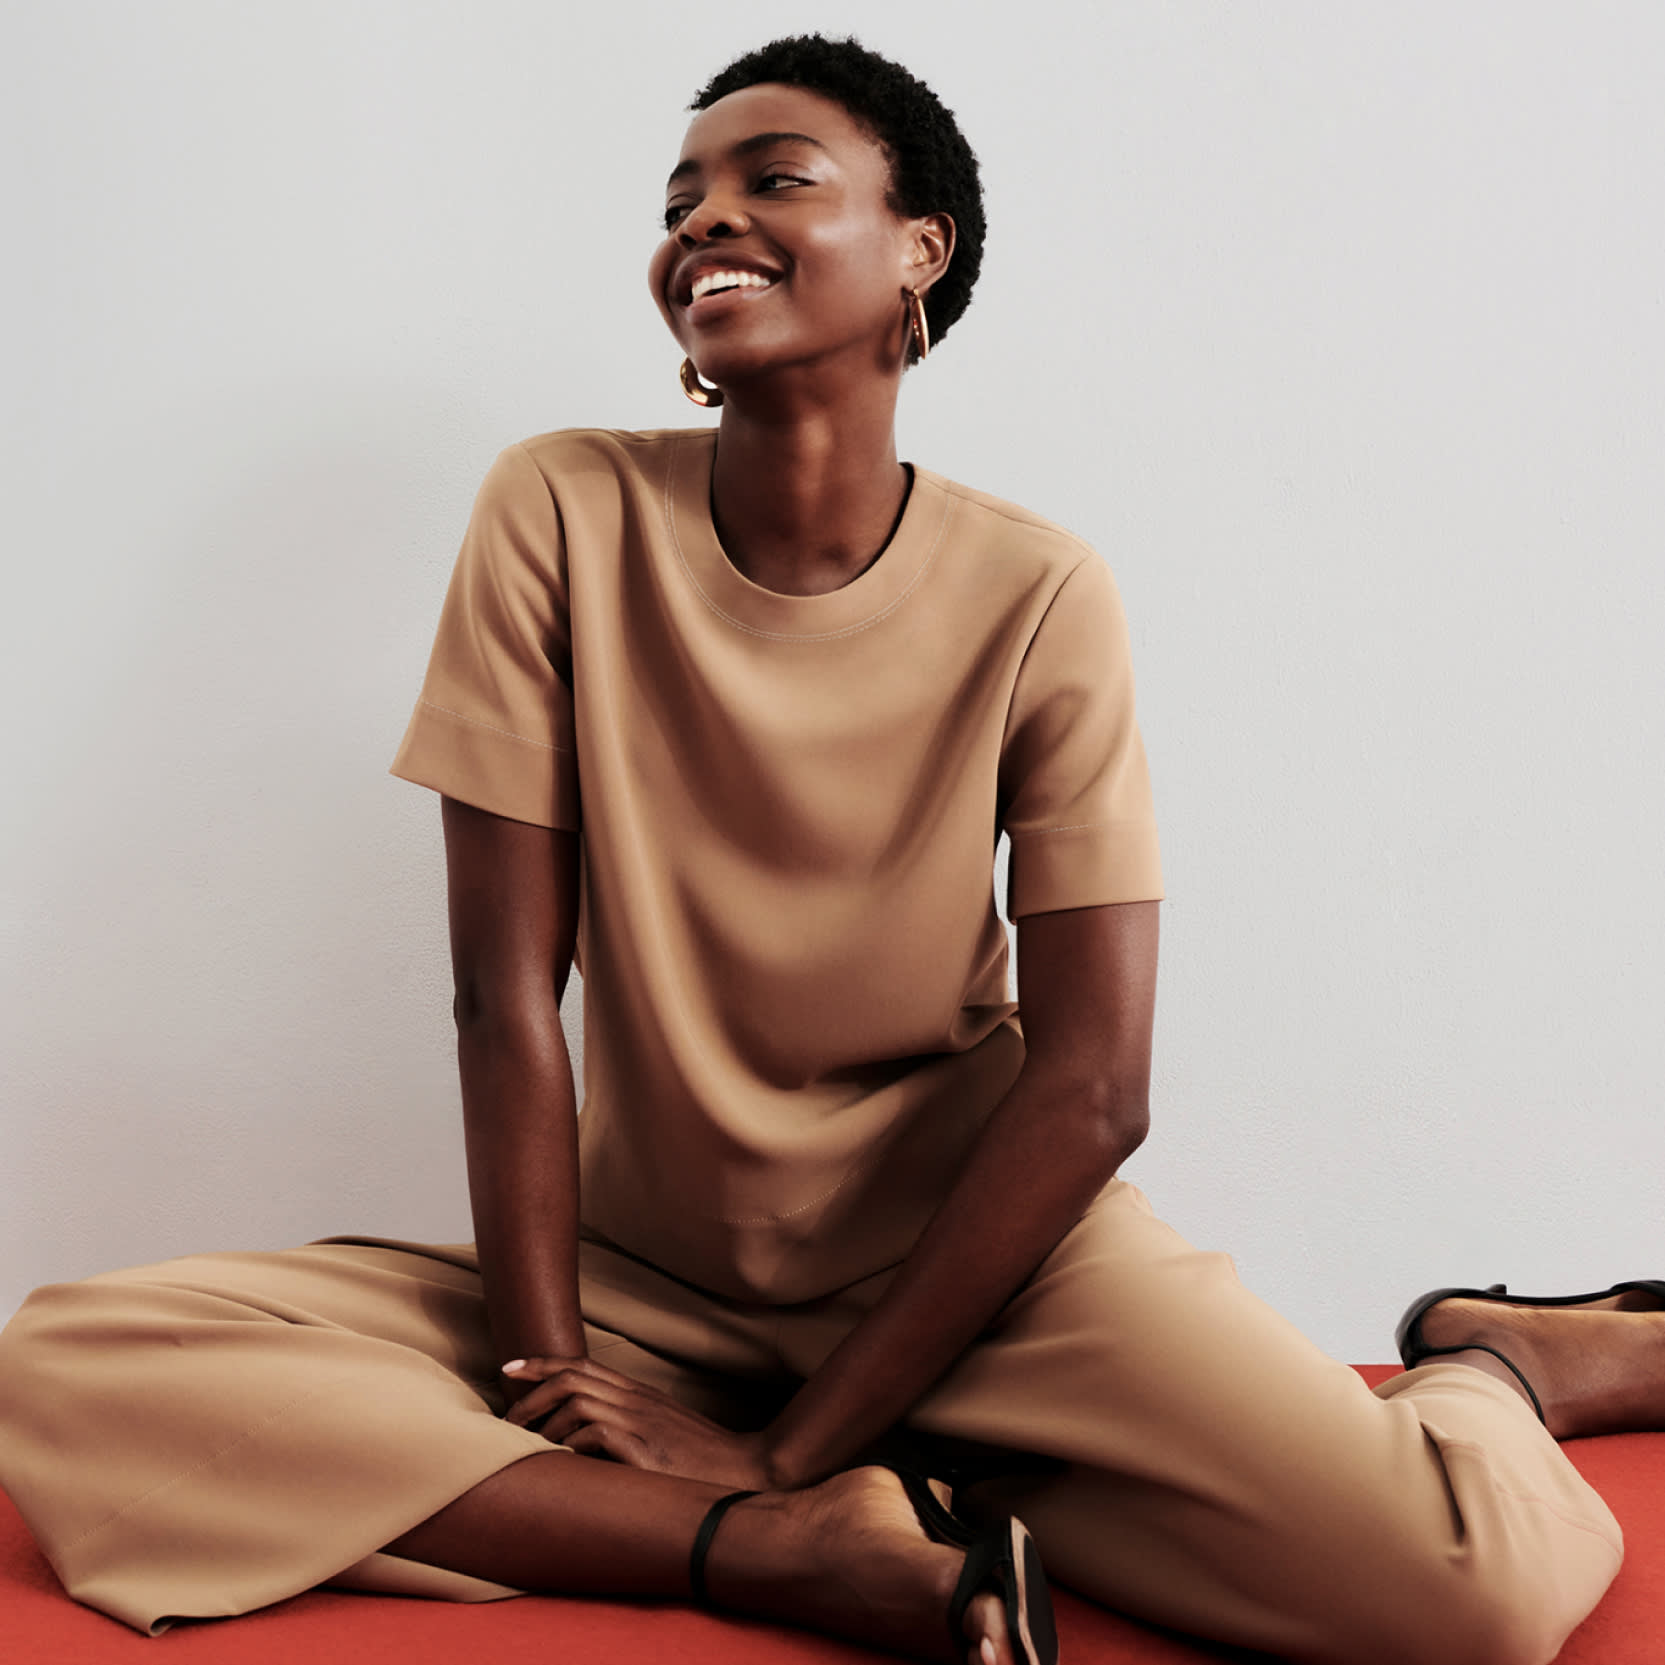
{"type": "Point", "coordinates": [932, 249]}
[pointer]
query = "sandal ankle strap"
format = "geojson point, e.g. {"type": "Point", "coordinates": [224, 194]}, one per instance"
{"type": "Point", "coordinates": [702, 1545]}
{"type": "Point", "coordinates": [1502, 1358]}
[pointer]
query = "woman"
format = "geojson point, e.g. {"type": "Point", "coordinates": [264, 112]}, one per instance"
{"type": "Point", "coordinates": [733, 719]}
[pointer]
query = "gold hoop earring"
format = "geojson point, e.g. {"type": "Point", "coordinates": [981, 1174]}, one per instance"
{"type": "Point", "coordinates": [916, 322]}
{"type": "Point", "coordinates": [696, 390]}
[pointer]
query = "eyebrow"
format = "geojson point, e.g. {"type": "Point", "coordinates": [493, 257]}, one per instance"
{"type": "Point", "coordinates": [758, 141]}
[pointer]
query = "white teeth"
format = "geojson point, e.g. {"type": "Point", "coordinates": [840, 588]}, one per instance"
{"type": "Point", "coordinates": [706, 282]}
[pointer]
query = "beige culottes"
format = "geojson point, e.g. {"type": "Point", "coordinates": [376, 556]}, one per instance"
{"type": "Point", "coordinates": [212, 1433]}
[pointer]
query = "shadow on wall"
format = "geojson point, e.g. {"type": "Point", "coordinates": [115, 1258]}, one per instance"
{"type": "Point", "coordinates": [231, 982]}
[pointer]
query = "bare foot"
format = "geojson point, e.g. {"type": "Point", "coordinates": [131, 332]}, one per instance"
{"type": "Point", "coordinates": [850, 1557]}
{"type": "Point", "coordinates": [1597, 1368]}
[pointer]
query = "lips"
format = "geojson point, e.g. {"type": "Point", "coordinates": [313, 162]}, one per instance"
{"type": "Point", "coordinates": [714, 273]}
{"type": "Point", "coordinates": [719, 283]}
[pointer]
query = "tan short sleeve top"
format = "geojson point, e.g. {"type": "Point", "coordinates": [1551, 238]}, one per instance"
{"type": "Point", "coordinates": [794, 972]}
{"type": "Point", "coordinates": [494, 725]}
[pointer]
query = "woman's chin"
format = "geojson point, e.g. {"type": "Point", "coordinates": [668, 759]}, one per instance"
{"type": "Point", "coordinates": [722, 364]}
{"type": "Point", "coordinates": [737, 370]}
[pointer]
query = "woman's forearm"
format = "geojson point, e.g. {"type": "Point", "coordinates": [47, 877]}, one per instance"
{"type": "Point", "coordinates": [1041, 1158]}
{"type": "Point", "coordinates": [521, 1129]}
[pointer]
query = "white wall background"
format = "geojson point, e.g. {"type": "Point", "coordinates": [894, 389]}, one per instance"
{"type": "Point", "coordinates": [1338, 328]}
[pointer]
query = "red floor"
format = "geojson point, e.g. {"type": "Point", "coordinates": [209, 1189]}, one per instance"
{"type": "Point", "coordinates": [39, 1625]}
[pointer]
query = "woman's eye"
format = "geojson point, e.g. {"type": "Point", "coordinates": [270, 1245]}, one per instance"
{"type": "Point", "coordinates": [773, 181]}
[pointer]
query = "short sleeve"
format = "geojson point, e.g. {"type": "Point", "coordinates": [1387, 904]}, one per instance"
{"type": "Point", "coordinates": [494, 723]}
{"type": "Point", "coordinates": [1074, 788]}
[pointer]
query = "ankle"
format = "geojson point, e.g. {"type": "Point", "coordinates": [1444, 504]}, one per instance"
{"type": "Point", "coordinates": [1478, 1358]}
{"type": "Point", "coordinates": [757, 1552]}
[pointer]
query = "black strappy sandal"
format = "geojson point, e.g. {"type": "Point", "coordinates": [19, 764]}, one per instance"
{"type": "Point", "coordinates": [1413, 1349]}
{"type": "Point", "coordinates": [1002, 1558]}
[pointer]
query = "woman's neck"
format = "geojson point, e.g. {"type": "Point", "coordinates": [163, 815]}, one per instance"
{"type": "Point", "coordinates": [802, 506]}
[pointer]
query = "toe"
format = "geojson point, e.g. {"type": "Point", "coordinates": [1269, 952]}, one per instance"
{"type": "Point", "coordinates": [985, 1629]}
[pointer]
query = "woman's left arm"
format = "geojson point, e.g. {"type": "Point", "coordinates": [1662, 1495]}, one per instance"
{"type": "Point", "coordinates": [1077, 1110]}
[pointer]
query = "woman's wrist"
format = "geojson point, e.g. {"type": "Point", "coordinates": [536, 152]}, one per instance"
{"type": "Point", "coordinates": [548, 1337]}
{"type": "Point", "coordinates": [780, 1476]}
{"type": "Point", "coordinates": [787, 1466]}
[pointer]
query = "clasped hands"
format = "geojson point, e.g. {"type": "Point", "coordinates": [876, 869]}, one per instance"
{"type": "Point", "coordinates": [603, 1413]}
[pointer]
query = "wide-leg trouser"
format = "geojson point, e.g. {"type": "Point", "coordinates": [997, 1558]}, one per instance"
{"type": "Point", "coordinates": [212, 1433]}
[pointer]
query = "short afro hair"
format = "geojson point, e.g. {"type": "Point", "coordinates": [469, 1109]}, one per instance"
{"type": "Point", "coordinates": [932, 168]}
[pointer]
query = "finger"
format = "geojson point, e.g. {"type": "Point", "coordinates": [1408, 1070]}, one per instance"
{"type": "Point", "coordinates": [579, 1370]}
{"type": "Point", "coordinates": [580, 1409]}
{"type": "Point", "coordinates": [524, 1369]}
{"type": "Point", "coordinates": [541, 1400]}
{"type": "Point", "coordinates": [544, 1365]}
{"type": "Point", "coordinates": [530, 1406]}
{"type": "Point", "coordinates": [604, 1439]}
{"type": "Point", "coordinates": [553, 1391]}
{"type": "Point", "coordinates": [617, 1378]}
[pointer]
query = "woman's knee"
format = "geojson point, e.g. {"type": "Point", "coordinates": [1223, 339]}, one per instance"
{"type": "Point", "coordinates": [31, 1379]}
{"type": "Point", "coordinates": [20, 1338]}
{"type": "Point", "coordinates": [62, 1342]}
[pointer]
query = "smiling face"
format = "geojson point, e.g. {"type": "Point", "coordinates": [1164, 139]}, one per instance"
{"type": "Point", "coordinates": [781, 248]}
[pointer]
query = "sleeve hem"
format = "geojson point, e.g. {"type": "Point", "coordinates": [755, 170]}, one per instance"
{"type": "Point", "coordinates": [1053, 868]}
{"type": "Point", "coordinates": [519, 779]}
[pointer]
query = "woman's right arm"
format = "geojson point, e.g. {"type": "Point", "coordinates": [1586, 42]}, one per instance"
{"type": "Point", "coordinates": [513, 891]}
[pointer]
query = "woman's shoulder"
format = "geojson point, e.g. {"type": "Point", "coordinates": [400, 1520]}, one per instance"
{"type": "Point", "coordinates": [574, 454]}
{"type": "Point", "coordinates": [1013, 531]}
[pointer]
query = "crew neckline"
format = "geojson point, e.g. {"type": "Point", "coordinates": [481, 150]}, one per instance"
{"type": "Point", "coordinates": [865, 600]}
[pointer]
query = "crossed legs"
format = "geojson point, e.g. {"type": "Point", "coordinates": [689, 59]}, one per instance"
{"type": "Point", "coordinates": [255, 1418]}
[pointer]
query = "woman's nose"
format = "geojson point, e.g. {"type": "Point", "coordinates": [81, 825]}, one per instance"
{"type": "Point", "coordinates": [716, 215]}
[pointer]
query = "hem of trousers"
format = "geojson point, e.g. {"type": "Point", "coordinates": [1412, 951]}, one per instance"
{"type": "Point", "coordinates": [342, 1544]}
